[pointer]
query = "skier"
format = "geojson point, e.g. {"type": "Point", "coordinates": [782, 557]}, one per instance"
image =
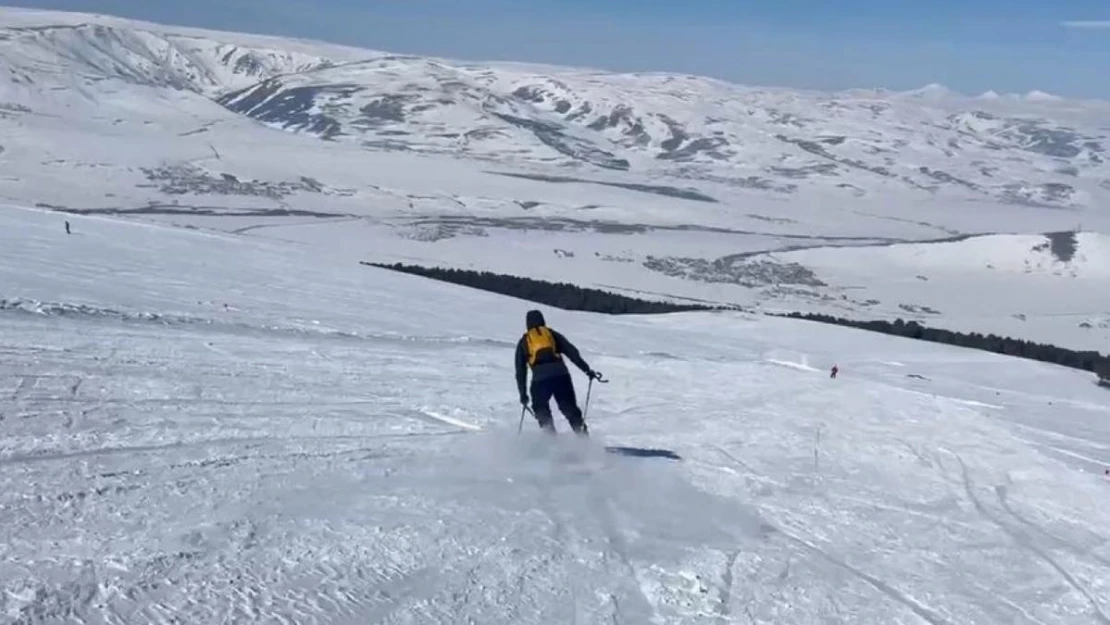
{"type": "Point", "coordinates": [542, 349]}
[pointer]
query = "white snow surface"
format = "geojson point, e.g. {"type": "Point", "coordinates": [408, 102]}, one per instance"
{"type": "Point", "coordinates": [202, 427]}
{"type": "Point", "coordinates": [210, 412]}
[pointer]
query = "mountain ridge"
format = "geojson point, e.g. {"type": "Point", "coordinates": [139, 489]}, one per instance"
{"type": "Point", "coordinates": [689, 127]}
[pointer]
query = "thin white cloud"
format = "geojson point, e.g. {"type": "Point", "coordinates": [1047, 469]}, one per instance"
{"type": "Point", "coordinates": [1088, 24]}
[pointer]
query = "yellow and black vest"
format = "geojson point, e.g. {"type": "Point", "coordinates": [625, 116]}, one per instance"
{"type": "Point", "coordinates": [540, 343]}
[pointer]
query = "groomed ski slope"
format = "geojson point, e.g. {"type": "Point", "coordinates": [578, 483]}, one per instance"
{"type": "Point", "coordinates": [203, 428]}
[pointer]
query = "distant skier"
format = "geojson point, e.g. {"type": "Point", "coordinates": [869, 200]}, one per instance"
{"type": "Point", "coordinates": [542, 349]}
{"type": "Point", "coordinates": [835, 370]}
{"type": "Point", "coordinates": [67, 228]}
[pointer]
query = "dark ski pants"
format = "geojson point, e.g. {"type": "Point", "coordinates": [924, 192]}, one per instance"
{"type": "Point", "coordinates": [560, 387]}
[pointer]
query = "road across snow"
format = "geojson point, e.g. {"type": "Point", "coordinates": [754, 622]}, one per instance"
{"type": "Point", "coordinates": [338, 444]}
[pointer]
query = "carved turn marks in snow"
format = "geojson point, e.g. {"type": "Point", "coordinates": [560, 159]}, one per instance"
{"type": "Point", "coordinates": [449, 420]}
{"type": "Point", "coordinates": [44, 387]}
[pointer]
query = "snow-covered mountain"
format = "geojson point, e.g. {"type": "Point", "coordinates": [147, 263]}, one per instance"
{"type": "Point", "coordinates": [675, 186]}
{"type": "Point", "coordinates": [925, 142]}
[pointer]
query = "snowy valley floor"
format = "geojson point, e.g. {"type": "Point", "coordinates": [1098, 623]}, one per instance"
{"type": "Point", "coordinates": [338, 444]}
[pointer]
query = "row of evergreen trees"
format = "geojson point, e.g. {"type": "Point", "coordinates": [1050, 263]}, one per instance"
{"type": "Point", "coordinates": [556, 294]}
{"type": "Point", "coordinates": [570, 297]}
{"type": "Point", "coordinates": [1086, 360]}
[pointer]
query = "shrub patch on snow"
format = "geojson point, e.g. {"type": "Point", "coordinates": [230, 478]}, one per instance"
{"type": "Point", "coordinates": [734, 270]}
{"type": "Point", "coordinates": [182, 179]}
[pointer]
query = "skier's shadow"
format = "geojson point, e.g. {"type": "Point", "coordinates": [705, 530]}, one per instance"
{"type": "Point", "coordinates": [642, 452]}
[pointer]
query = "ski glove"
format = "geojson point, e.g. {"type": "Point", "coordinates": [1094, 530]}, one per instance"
{"type": "Point", "coordinates": [593, 375]}
{"type": "Point", "coordinates": [524, 399]}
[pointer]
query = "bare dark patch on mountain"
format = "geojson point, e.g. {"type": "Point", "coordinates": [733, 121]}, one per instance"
{"type": "Point", "coordinates": [582, 111]}
{"type": "Point", "coordinates": [529, 94]}
{"type": "Point", "coordinates": [246, 64]}
{"type": "Point", "coordinates": [745, 182]}
{"type": "Point", "coordinates": [1045, 195]}
{"type": "Point", "coordinates": [685, 194]}
{"type": "Point", "coordinates": [619, 115]}
{"type": "Point", "coordinates": [622, 117]}
{"type": "Point", "coordinates": [1062, 142]}
{"type": "Point", "coordinates": [943, 176]}
{"type": "Point", "coordinates": [813, 147]}
{"type": "Point", "coordinates": [774, 220]}
{"type": "Point", "coordinates": [11, 107]}
{"type": "Point", "coordinates": [856, 191]}
{"type": "Point", "coordinates": [816, 169]}
{"type": "Point", "coordinates": [291, 108]}
{"type": "Point", "coordinates": [553, 136]}
{"type": "Point", "coordinates": [386, 145]}
{"type": "Point", "coordinates": [481, 134]}
{"type": "Point", "coordinates": [1039, 136]}
{"type": "Point", "coordinates": [787, 119]}
{"type": "Point", "coordinates": [386, 109]}
{"type": "Point", "coordinates": [678, 134]}
{"type": "Point", "coordinates": [534, 94]}
{"type": "Point", "coordinates": [918, 309]}
{"type": "Point", "coordinates": [638, 133]}
{"type": "Point", "coordinates": [707, 145]}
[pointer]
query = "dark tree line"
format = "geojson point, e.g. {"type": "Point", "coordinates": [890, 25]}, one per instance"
{"type": "Point", "coordinates": [570, 297]}
{"type": "Point", "coordinates": [1086, 360]}
{"type": "Point", "coordinates": [556, 294]}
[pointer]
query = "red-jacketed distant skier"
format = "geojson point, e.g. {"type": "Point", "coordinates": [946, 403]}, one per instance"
{"type": "Point", "coordinates": [542, 349]}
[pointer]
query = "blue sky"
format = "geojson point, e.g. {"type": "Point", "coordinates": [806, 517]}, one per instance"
{"type": "Point", "coordinates": [1059, 46]}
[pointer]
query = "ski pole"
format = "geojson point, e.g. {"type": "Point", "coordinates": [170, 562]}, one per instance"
{"type": "Point", "coordinates": [586, 409]}
{"type": "Point", "coordinates": [589, 388]}
{"type": "Point", "coordinates": [520, 427]}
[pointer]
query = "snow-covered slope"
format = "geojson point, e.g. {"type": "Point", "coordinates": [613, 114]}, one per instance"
{"type": "Point", "coordinates": [1027, 285]}
{"type": "Point", "coordinates": [203, 427]}
{"type": "Point", "coordinates": [47, 48]}
{"type": "Point", "coordinates": [674, 186]}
